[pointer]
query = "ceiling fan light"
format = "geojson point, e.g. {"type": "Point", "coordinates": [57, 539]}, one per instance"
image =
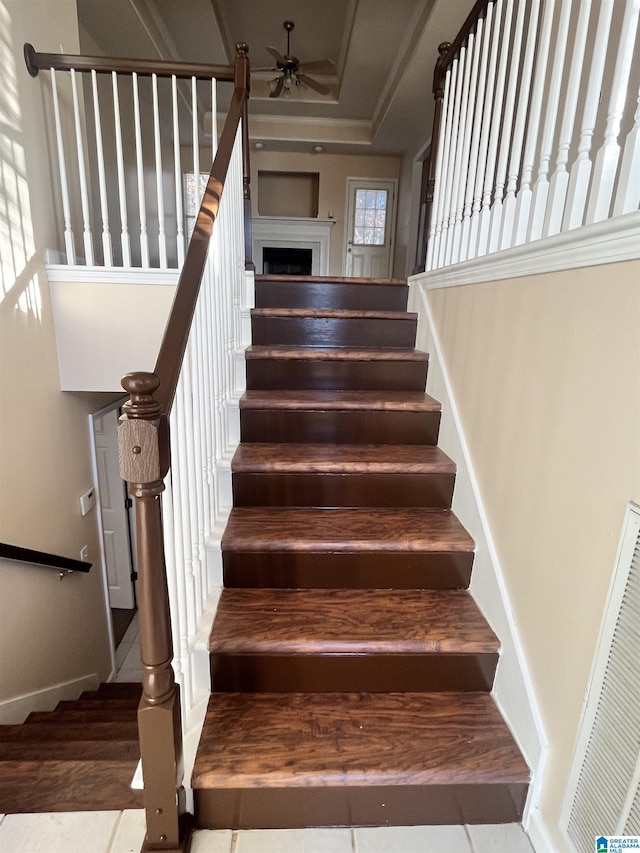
{"type": "Point", "coordinates": [288, 82]}
{"type": "Point", "coordinates": [273, 84]}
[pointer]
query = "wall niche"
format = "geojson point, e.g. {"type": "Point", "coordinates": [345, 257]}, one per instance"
{"type": "Point", "coordinates": [288, 194]}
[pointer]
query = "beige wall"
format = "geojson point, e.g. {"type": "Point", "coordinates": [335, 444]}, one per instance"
{"type": "Point", "coordinates": [545, 371]}
{"type": "Point", "coordinates": [334, 169]}
{"type": "Point", "coordinates": [51, 631]}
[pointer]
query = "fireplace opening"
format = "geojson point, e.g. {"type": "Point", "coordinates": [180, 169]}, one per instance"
{"type": "Point", "coordinates": [285, 261]}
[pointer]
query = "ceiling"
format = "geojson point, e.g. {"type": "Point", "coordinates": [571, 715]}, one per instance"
{"type": "Point", "coordinates": [383, 53]}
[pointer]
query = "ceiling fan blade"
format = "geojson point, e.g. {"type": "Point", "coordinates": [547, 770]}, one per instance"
{"type": "Point", "coordinates": [279, 58]}
{"type": "Point", "coordinates": [270, 68]}
{"type": "Point", "coordinates": [313, 84]}
{"type": "Point", "coordinates": [319, 66]}
{"type": "Point", "coordinates": [278, 89]}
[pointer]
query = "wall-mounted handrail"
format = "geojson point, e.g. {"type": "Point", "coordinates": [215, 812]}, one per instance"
{"type": "Point", "coordinates": [42, 558]}
{"type": "Point", "coordinates": [36, 62]}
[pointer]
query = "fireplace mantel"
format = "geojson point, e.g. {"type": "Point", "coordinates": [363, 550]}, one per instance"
{"type": "Point", "coordinates": [295, 232]}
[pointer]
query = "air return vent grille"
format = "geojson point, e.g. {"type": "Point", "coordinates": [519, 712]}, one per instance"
{"type": "Point", "coordinates": [603, 793]}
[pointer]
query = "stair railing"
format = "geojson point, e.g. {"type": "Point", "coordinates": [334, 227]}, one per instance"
{"type": "Point", "coordinates": [534, 127]}
{"type": "Point", "coordinates": [174, 429]}
{"type": "Point", "coordinates": [120, 174]}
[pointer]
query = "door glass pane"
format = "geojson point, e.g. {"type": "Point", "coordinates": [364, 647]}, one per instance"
{"type": "Point", "coordinates": [370, 212]}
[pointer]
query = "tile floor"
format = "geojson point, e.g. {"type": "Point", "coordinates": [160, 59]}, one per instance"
{"type": "Point", "coordinates": [123, 832]}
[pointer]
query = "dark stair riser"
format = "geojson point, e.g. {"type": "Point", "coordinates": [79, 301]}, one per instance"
{"type": "Point", "coordinates": [363, 673]}
{"type": "Point", "coordinates": [353, 297]}
{"type": "Point", "coordinates": [396, 805]}
{"type": "Point", "coordinates": [335, 490]}
{"type": "Point", "coordinates": [334, 375]}
{"type": "Point", "coordinates": [339, 426]}
{"type": "Point", "coordinates": [369, 570]}
{"type": "Point", "coordinates": [334, 332]}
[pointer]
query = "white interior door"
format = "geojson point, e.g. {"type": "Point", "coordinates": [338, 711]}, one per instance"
{"type": "Point", "coordinates": [370, 229]}
{"type": "Point", "coordinates": [115, 526]}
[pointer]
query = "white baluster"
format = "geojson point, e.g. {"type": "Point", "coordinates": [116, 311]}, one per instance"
{"type": "Point", "coordinates": [102, 180]}
{"type": "Point", "coordinates": [142, 204]}
{"type": "Point", "coordinates": [494, 137]}
{"type": "Point", "coordinates": [69, 244]}
{"type": "Point", "coordinates": [438, 190]}
{"type": "Point", "coordinates": [461, 167]}
{"type": "Point", "coordinates": [124, 234]}
{"type": "Point", "coordinates": [440, 235]}
{"type": "Point", "coordinates": [559, 183]}
{"type": "Point", "coordinates": [483, 34]}
{"type": "Point", "coordinates": [449, 175]}
{"type": "Point", "coordinates": [509, 212]}
{"type": "Point", "coordinates": [495, 226]}
{"type": "Point", "coordinates": [604, 171]}
{"type": "Point", "coordinates": [214, 119]}
{"type": "Point", "coordinates": [84, 194]}
{"type": "Point", "coordinates": [628, 194]}
{"type": "Point", "coordinates": [162, 237]}
{"type": "Point", "coordinates": [176, 593]}
{"type": "Point", "coordinates": [181, 478]}
{"type": "Point", "coordinates": [493, 33]}
{"type": "Point", "coordinates": [580, 173]}
{"type": "Point", "coordinates": [195, 141]}
{"type": "Point", "coordinates": [541, 186]}
{"type": "Point", "coordinates": [525, 194]}
{"type": "Point", "coordinates": [177, 168]}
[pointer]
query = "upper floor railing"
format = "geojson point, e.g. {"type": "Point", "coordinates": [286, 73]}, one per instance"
{"type": "Point", "coordinates": [128, 138]}
{"type": "Point", "coordinates": [536, 126]}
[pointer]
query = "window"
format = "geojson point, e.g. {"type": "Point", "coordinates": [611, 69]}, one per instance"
{"type": "Point", "coordinates": [370, 218]}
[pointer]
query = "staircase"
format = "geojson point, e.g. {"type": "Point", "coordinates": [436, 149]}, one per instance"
{"type": "Point", "coordinates": [79, 757]}
{"type": "Point", "coordinates": [351, 670]}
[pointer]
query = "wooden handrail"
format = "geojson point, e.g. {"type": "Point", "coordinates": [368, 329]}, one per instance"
{"type": "Point", "coordinates": [42, 558]}
{"type": "Point", "coordinates": [174, 341]}
{"type": "Point", "coordinates": [447, 51]}
{"type": "Point", "coordinates": [36, 62]}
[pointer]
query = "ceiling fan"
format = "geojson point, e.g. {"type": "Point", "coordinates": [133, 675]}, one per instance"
{"type": "Point", "coordinates": [292, 73]}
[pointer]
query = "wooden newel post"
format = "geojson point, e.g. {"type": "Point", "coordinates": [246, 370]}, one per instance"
{"type": "Point", "coordinates": [242, 81]}
{"type": "Point", "coordinates": [143, 445]}
{"type": "Point", "coordinates": [439, 76]}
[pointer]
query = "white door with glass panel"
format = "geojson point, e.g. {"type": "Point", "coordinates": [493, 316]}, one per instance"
{"type": "Point", "coordinates": [371, 209]}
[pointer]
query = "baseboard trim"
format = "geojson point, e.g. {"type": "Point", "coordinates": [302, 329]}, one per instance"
{"type": "Point", "coordinates": [513, 689]}
{"type": "Point", "coordinates": [539, 835]}
{"type": "Point", "coordinates": [14, 711]}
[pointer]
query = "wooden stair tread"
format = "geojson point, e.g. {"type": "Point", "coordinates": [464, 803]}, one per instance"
{"type": "Point", "coordinates": [353, 529]}
{"type": "Point", "coordinates": [404, 401]}
{"type": "Point", "coordinates": [326, 279]}
{"type": "Point", "coordinates": [341, 458]}
{"type": "Point", "coordinates": [115, 690]}
{"type": "Point", "coordinates": [96, 704]}
{"type": "Point", "coordinates": [333, 314]}
{"type": "Point", "coordinates": [347, 739]}
{"type": "Point", "coordinates": [78, 716]}
{"type": "Point", "coordinates": [256, 351]}
{"type": "Point", "coordinates": [344, 621]}
{"type": "Point", "coordinates": [119, 730]}
{"type": "Point", "coordinates": [58, 750]}
{"type": "Point", "coordinates": [68, 786]}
